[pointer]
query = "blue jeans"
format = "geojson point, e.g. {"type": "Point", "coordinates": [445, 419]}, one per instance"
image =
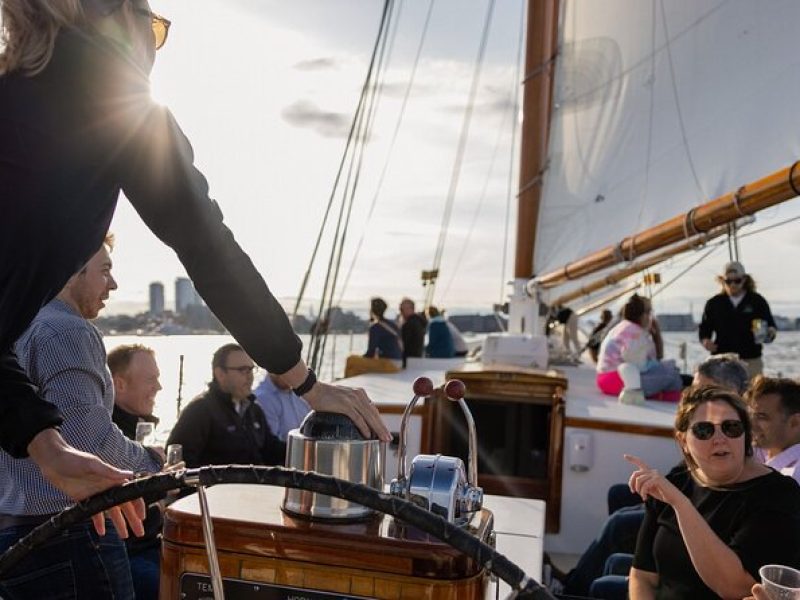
{"type": "Point", "coordinates": [613, 585]}
{"type": "Point", "coordinates": [145, 568]}
{"type": "Point", "coordinates": [620, 496]}
{"type": "Point", "coordinates": [661, 377]}
{"type": "Point", "coordinates": [618, 535]}
{"type": "Point", "coordinates": [77, 564]}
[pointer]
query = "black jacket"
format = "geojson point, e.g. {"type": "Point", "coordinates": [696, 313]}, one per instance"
{"type": "Point", "coordinates": [413, 332]}
{"type": "Point", "coordinates": [71, 138]}
{"type": "Point", "coordinates": [731, 327]}
{"type": "Point", "coordinates": [213, 433]}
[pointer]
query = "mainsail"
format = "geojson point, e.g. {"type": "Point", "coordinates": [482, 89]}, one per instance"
{"type": "Point", "coordinates": [659, 107]}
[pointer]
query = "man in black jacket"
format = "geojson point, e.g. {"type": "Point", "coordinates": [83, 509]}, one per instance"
{"type": "Point", "coordinates": [737, 319]}
{"type": "Point", "coordinates": [78, 126]}
{"type": "Point", "coordinates": [225, 425]}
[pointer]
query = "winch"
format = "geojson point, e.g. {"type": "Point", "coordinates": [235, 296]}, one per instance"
{"type": "Point", "coordinates": [317, 546]}
{"type": "Point", "coordinates": [439, 483]}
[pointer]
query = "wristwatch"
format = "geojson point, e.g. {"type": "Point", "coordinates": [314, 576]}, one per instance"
{"type": "Point", "coordinates": [305, 387]}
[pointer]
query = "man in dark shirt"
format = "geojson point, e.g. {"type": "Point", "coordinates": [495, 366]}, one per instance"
{"type": "Point", "coordinates": [737, 319]}
{"type": "Point", "coordinates": [225, 425]}
{"type": "Point", "coordinates": [412, 330]}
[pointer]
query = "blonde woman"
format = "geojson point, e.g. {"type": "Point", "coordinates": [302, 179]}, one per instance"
{"type": "Point", "coordinates": [77, 126]}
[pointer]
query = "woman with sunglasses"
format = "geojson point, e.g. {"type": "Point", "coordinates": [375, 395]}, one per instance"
{"type": "Point", "coordinates": [714, 520]}
{"type": "Point", "coordinates": [737, 319]}
{"type": "Point", "coordinates": [77, 126]}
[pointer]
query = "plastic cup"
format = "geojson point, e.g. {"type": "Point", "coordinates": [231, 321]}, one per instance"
{"type": "Point", "coordinates": [780, 582]}
{"type": "Point", "coordinates": [174, 454]}
{"type": "Point", "coordinates": [145, 432]}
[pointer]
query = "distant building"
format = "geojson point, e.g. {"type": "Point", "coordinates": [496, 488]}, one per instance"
{"type": "Point", "coordinates": [185, 295]}
{"type": "Point", "coordinates": [676, 322]}
{"type": "Point", "coordinates": [156, 298]}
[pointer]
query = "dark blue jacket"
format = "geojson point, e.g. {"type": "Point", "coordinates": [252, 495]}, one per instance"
{"type": "Point", "coordinates": [384, 340]}
{"type": "Point", "coordinates": [440, 340]}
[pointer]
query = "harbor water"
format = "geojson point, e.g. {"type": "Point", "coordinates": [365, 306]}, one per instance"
{"type": "Point", "coordinates": [780, 358]}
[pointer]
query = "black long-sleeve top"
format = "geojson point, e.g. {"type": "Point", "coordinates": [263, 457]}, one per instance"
{"type": "Point", "coordinates": [71, 138]}
{"type": "Point", "coordinates": [732, 327]}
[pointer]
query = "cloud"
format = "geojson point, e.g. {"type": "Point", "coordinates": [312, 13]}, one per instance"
{"type": "Point", "coordinates": [307, 115]}
{"type": "Point", "coordinates": [317, 64]}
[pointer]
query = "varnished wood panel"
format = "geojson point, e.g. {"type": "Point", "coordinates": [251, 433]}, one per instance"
{"type": "Point", "coordinates": [581, 423]}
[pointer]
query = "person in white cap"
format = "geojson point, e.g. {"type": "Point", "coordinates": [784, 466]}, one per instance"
{"type": "Point", "coordinates": [738, 319]}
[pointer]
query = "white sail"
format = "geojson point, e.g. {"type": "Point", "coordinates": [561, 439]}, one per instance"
{"type": "Point", "coordinates": [660, 106]}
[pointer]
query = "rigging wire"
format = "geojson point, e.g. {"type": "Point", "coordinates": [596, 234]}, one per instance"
{"type": "Point", "coordinates": [462, 143]}
{"type": "Point", "coordinates": [514, 128]}
{"type": "Point", "coordinates": [367, 124]}
{"type": "Point", "coordinates": [679, 112]}
{"type": "Point", "coordinates": [350, 140]}
{"type": "Point", "coordinates": [478, 208]}
{"type": "Point", "coordinates": [389, 154]}
{"type": "Point", "coordinates": [716, 246]}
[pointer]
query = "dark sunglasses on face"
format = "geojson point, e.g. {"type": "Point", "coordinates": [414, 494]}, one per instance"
{"type": "Point", "coordinates": [704, 430]}
{"type": "Point", "coordinates": [734, 281]}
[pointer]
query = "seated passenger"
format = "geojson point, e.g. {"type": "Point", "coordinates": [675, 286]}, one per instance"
{"type": "Point", "coordinates": [630, 342]}
{"type": "Point", "coordinates": [384, 336]}
{"type": "Point", "coordinates": [626, 512]}
{"type": "Point", "coordinates": [714, 520]}
{"type": "Point", "coordinates": [598, 333]}
{"type": "Point", "coordinates": [440, 340]}
{"type": "Point", "coordinates": [284, 409]}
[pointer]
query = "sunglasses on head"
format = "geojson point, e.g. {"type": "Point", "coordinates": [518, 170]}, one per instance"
{"type": "Point", "coordinates": [704, 430]}
{"type": "Point", "coordinates": [734, 281]}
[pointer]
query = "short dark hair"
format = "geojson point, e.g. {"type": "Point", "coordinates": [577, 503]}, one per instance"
{"type": "Point", "coordinates": [727, 370]}
{"type": "Point", "coordinates": [119, 359]}
{"type": "Point", "coordinates": [788, 390]}
{"type": "Point", "coordinates": [635, 308]}
{"type": "Point", "coordinates": [221, 355]}
{"type": "Point", "coordinates": [695, 396]}
{"type": "Point", "coordinates": [377, 307]}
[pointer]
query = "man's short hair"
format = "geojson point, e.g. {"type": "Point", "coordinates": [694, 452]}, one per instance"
{"type": "Point", "coordinates": [788, 390]}
{"type": "Point", "coordinates": [221, 355]}
{"type": "Point", "coordinates": [727, 370]}
{"type": "Point", "coordinates": [119, 359]}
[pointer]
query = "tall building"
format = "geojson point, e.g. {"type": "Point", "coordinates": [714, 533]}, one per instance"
{"type": "Point", "coordinates": [185, 295]}
{"type": "Point", "coordinates": [156, 298]}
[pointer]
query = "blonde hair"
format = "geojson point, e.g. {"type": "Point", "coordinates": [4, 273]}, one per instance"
{"type": "Point", "coordinates": [28, 30]}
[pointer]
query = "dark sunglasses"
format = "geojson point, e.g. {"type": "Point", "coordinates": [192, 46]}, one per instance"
{"type": "Point", "coordinates": [243, 370]}
{"type": "Point", "coordinates": [704, 430]}
{"type": "Point", "coordinates": [734, 281]}
{"type": "Point", "coordinates": [159, 24]}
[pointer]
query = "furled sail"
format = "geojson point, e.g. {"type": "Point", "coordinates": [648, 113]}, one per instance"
{"type": "Point", "coordinates": [659, 107]}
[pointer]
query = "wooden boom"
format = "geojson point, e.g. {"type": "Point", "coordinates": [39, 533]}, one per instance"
{"type": "Point", "coordinates": [780, 186]}
{"type": "Point", "coordinates": [617, 276]}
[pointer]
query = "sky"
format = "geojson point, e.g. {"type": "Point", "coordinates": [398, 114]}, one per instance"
{"type": "Point", "coordinates": [266, 91]}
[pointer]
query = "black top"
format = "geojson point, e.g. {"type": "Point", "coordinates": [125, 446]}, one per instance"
{"type": "Point", "coordinates": [71, 138]}
{"type": "Point", "coordinates": [758, 519]}
{"type": "Point", "coordinates": [153, 522]}
{"type": "Point", "coordinates": [732, 327]}
{"type": "Point", "coordinates": [413, 332]}
{"type": "Point", "coordinates": [383, 340]}
{"type": "Point", "coordinates": [213, 433]}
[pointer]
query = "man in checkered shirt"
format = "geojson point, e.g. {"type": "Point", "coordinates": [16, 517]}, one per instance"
{"type": "Point", "coordinates": [64, 355]}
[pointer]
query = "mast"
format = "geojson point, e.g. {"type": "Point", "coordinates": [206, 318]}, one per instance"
{"type": "Point", "coordinates": [541, 45]}
{"type": "Point", "coordinates": [780, 186]}
{"type": "Point", "coordinates": [540, 53]}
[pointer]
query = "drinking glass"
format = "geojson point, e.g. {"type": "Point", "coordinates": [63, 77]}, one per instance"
{"type": "Point", "coordinates": [780, 582]}
{"type": "Point", "coordinates": [174, 454]}
{"type": "Point", "coordinates": [145, 433]}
